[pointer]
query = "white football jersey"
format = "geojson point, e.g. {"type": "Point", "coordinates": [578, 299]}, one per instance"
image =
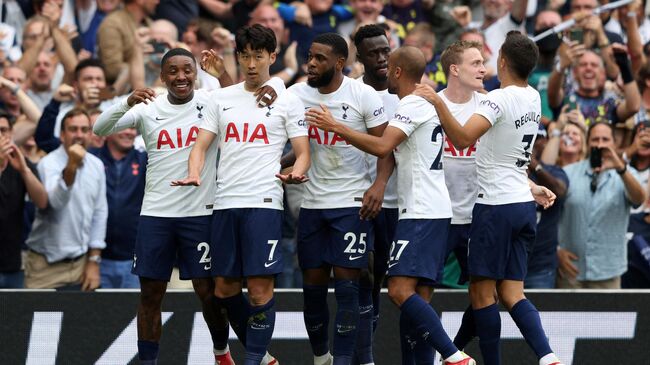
{"type": "Point", "coordinates": [169, 132]}
{"type": "Point", "coordinates": [504, 151]}
{"type": "Point", "coordinates": [390, 194]}
{"type": "Point", "coordinates": [422, 193]}
{"type": "Point", "coordinates": [251, 141]}
{"type": "Point", "coordinates": [339, 173]}
{"type": "Point", "coordinates": [460, 165]}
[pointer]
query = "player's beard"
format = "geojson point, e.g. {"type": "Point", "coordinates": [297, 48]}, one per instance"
{"type": "Point", "coordinates": [323, 80]}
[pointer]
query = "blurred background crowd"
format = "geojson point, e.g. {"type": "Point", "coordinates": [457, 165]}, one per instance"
{"type": "Point", "coordinates": [63, 55]}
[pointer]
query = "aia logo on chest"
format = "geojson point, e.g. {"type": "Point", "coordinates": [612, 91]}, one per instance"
{"type": "Point", "coordinates": [199, 108]}
{"type": "Point", "coordinates": [183, 138]}
{"type": "Point", "coordinates": [244, 134]}
{"type": "Point", "coordinates": [345, 108]}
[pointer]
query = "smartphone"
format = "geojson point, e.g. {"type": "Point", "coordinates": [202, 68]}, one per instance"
{"type": "Point", "coordinates": [158, 47]}
{"type": "Point", "coordinates": [106, 93]}
{"type": "Point", "coordinates": [572, 103]}
{"type": "Point", "coordinates": [576, 34]}
{"type": "Point", "coordinates": [596, 157]}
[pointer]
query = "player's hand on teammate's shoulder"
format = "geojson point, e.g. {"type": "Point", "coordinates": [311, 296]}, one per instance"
{"type": "Point", "coordinates": [265, 96]}
{"type": "Point", "coordinates": [142, 95]}
{"type": "Point", "coordinates": [543, 196]}
{"type": "Point", "coordinates": [373, 198]}
{"type": "Point", "coordinates": [188, 181]}
{"type": "Point", "coordinates": [322, 119]}
{"type": "Point", "coordinates": [427, 92]}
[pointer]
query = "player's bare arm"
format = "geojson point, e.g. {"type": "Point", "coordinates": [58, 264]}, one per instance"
{"type": "Point", "coordinates": [300, 149]}
{"type": "Point", "coordinates": [378, 146]}
{"type": "Point", "coordinates": [197, 159]}
{"type": "Point", "coordinates": [461, 136]}
{"type": "Point", "coordinates": [373, 198]}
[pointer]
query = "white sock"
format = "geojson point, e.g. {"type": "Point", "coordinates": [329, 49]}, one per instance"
{"type": "Point", "coordinates": [548, 359]}
{"type": "Point", "coordinates": [322, 359]}
{"type": "Point", "coordinates": [370, 363]}
{"type": "Point", "coordinates": [456, 357]}
{"type": "Point", "coordinates": [221, 352]}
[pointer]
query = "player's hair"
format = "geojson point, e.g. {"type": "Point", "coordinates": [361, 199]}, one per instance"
{"type": "Point", "coordinates": [453, 55]}
{"type": "Point", "coordinates": [521, 54]}
{"type": "Point", "coordinates": [642, 76]}
{"type": "Point", "coordinates": [411, 60]}
{"type": "Point", "coordinates": [176, 52]}
{"type": "Point", "coordinates": [425, 34]}
{"type": "Point", "coordinates": [593, 125]}
{"type": "Point", "coordinates": [334, 41]}
{"type": "Point", "coordinates": [73, 113]}
{"type": "Point", "coordinates": [368, 31]}
{"type": "Point", "coordinates": [257, 36]}
{"type": "Point", "coordinates": [89, 62]}
{"type": "Point", "coordinates": [472, 31]}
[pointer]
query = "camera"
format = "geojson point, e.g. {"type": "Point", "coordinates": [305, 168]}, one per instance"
{"type": "Point", "coordinates": [596, 157]}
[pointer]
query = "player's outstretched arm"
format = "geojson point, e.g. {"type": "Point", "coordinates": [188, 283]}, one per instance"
{"type": "Point", "coordinates": [114, 120]}
{"type": "Point", "coordinates": [461, 136]}
{"type": "Point", "coordinates": [378, 146]}
{"type": "Point", "coordinates": [543, 196]}
{"type": "Point", "coordinates": [300, 148]}
{"type": "Point", "coordinates": [197, 159]}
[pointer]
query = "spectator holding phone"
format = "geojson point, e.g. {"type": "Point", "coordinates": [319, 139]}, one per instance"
{"type": "Point", "coordinates": [596, 103]}
{"type": "Point", "coordinates": [567, 140]}
{"type": "Point", "coordinates": [592, 243]}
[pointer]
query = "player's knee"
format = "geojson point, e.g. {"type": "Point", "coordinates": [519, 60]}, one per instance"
{"type": "Point", "coordinates": [510, 298]}
{"type": "Point", "coordinates": [259, 295]}
{"type": "Point", "coordinates": [398, 294]}
{"type": "Point", "coordinates": [366, 280]}
{"type": "Point", "coordinates": [151, 297]}
{"type": "Point", "coordinates": [226, 291]}
{"type": "Point", "coordinates": [203, 287]}
{"type": "Point", "coordinates": [481, 298]}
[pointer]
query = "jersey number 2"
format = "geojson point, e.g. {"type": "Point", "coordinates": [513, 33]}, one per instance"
{"type": "Point", "coordinates": [437, 165]}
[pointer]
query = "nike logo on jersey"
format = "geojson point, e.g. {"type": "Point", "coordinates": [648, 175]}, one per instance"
{"type": "Point", "coordinates": [159, 118]}
{"type": "Point", "coordinates": [207, 267]}
{"type": "Point", "coordinates": [269, 264]}
{"type": "Point", "coordinates": [345, 329]}
{"type": "Point", "coordinates": [393, 264]}
{"type": "Point", "coordinates": [228, 108]}
{"type": "Point", "coordinates": [352, 258]}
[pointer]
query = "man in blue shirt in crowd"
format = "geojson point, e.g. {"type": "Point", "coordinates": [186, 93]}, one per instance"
{"type": "Point", "coordinates": [125, 169]}
{"type": "Point", "coordinates": [542, 257]}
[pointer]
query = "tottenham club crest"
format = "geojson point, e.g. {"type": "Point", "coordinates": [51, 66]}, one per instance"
{"type": "Point", "coordinates": [345, 108]}
{"type": "Point", "coordinates": [268, 113]}
{"type": "Point", "coordinates": [199, 108]}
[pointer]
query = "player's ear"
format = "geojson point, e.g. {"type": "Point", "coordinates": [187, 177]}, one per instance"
{"type": "Point", "coordinates": [398, 72]}
{"type": "Point", "coordinates": [453, 70]}
{"type": "Point", "coordinates": [340, 63]}
{"type": "Point", "coordinates": [273, 56]}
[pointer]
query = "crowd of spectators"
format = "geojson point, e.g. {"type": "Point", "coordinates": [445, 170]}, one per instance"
{"type": "Point", "coordinates": [70, 200]}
